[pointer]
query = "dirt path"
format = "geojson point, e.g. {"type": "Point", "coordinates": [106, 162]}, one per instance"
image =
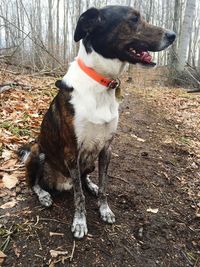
{"type": "Point", "coordinates": [153, 191]}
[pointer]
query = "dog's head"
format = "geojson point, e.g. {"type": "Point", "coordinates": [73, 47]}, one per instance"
{"type": "Point", "coordinates": [120, 32]}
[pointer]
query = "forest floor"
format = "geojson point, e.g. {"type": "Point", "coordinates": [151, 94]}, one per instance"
{"type": "Point", "coordinates": [154, 184]}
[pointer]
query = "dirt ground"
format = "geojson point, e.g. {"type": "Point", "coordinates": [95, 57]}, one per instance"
{"type": "Point", "coordinates": [154, 191]}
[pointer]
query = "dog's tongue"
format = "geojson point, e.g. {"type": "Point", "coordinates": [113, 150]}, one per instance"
{"type": "Point", "coordinates": [146, 57]}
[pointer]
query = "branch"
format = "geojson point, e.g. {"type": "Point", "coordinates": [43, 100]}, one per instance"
{"type": "Point", "coordinates": [42, 46]}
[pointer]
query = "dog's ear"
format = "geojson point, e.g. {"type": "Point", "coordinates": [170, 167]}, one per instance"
{"type": "Point", "coordinates": [87, 22]}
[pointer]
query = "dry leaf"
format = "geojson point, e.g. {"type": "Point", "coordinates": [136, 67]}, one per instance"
{"type": "Point", "coordinates": [56, 253]}
{"type": "Point", "coordinates": [9, 204]}
{"type": "Point", "coordinates": [6, 154]}
{"type": "Point", "coordinates": [16, 250]}
{"type": "Point", "coordinates": [152, 210]}
{"type": "Point", "coordinates": [9, 163]}
{"type": "Point", "coordinates": [198, 215]}
{"type": "Point", "coordinates": [2, 257]}
{"type": "Point", "coordinates": [9, 180]}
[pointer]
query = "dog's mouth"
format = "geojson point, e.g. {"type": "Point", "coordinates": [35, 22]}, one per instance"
{"type": "Point", "coordinates": [142, 57]}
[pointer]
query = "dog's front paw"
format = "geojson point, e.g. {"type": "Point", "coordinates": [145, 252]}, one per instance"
{"type": "Point", "coordinates": [79, 225]}
{"type": "Point", "coordinates": [106, 214]}
{"type": "Point", "coordinates": [45, 199]}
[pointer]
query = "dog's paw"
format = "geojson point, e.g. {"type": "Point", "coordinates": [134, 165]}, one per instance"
{"type": "Point", "coordinates": [106, 214]}
{"type": "Point", "coordinates": [79, 225]}
{"type": "Point", "coordinates": [92, 187]}
{"type": "Point", "coordinates": [45, 199]}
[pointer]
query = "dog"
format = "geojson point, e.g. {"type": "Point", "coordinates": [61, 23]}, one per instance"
{"type": "Point", "coordinates": [82, 119]}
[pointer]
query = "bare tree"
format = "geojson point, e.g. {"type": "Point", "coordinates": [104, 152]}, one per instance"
{"type": "Point", "coordinates": [44, 29]}
{"type": "Point", "coordinates": [185, 34]}
{"type": "Point", "coordinates": [57, 28]}
{"type": "Point", "coordinates": [50, 28]}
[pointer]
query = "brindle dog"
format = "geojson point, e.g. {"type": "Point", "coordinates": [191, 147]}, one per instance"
{"type": "Point", "coordinates": [71, 139]}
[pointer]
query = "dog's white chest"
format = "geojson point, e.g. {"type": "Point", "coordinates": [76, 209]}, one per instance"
{"type": "Point", "coordinates": [93, 137]}
{"type": "Point", "coordinates": [96, 119]}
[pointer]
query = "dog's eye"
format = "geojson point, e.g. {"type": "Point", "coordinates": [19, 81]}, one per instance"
{"type": "Point", "coordinates": [135, 19]}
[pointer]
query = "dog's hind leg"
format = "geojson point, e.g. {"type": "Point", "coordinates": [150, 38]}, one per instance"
{"type": "Point", "coordinates": [34, 162]}
{"type": "Point", "coordinates": [106, 213]}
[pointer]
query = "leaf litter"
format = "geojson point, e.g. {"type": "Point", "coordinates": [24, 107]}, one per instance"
{"type": "Point", "coordinates": [21, 113]}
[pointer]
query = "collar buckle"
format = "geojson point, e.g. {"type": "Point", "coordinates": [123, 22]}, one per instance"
{"type": "Point", "coordinates": [114, 84]}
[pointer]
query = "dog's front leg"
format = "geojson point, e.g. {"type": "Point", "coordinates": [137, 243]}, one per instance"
{"type": "Point", "coordinates": [106, 213]}
{"type": "Point", "coordinates": [79, 225]}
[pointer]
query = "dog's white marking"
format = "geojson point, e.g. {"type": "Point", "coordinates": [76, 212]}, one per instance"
{"type": "Point", "coordinates": [106, 213]}
{"type": "Point", "coordinates": [92, 186]}
{"type": "Point", "coordinates": [96, 108]}
{"type": "Point", "coordinates": [43, 196]}
{"type": "Point", "coordinates": [110, 68]}
{"type": "Point", "coordinates": [65, 186]}
{"type": "Point", "coordinates": [79, 225]}
{"type": "Point", "coordinates": [163, 42]}
{"type": "Point", "coordinates": [42, 157]}
{"type": "Point", "coordinates": [26, 156]}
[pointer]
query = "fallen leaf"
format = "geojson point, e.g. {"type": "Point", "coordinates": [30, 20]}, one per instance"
{"type": "Point", "coordinates": [2, 257]}
{"type": "Point", "coordinates": [6, 154]}
{"type": "Point", "coordinates": [56, 253]}
{"type": "Point", "coordinates": [198, 215]}
{"type": "Point", "coordinates": [9, 204]}
{"type": "Point", "coordinates": [152, 210]}
{"type": "Point", "coordinates": [16, 250]}
{"type": "Point", "coordinates": [9, 180]}
{"type": "Point", "coordinates": [9, 163]}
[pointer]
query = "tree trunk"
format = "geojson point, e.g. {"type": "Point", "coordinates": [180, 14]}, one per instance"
{"type": "Point", "coordinates": [50, 31]}
{"type": "Point", "coordinates": [185, 34]}
{"type": "Point", "coordinates": [176, 26]}
{"type": "Point", "coordinates": [65, 31]}
{"type": "Point", "coordinates": [57, 29]}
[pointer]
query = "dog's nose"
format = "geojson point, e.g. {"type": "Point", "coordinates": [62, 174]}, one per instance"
{"type": "Point", "coordinates": [171, 36]}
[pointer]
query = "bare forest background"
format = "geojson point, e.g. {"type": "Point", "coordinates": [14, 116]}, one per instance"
{"type": "Point", "coordinates": [38, 35]}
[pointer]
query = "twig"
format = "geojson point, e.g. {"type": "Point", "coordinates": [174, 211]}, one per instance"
{"type": "Point", "coordinates": [52, 220]}
{"type": "Point", "coordinates": [37, 220]}
{"type": "Point", "coordinates": [196, 263]}
{"type": "Point", "coordinates": [39, 256]}
{"type": "Point", "coordinates": [7, 240]}
{"type": "Point", "coordinates": [39, 242]}
{"type": "Point", "coordinates": [187, 258]}
{"type": "Point", "coordinates": [73, 249]}
{"type": "Point", "coordinates": [11, 170]}
{"type": "Point", "coordinates": [26, 35]}
{"type": "Point", "coordinates": [194, 91]}
{"type": "Point", "coordinates": [55, 234]}
{"type": "Point", "coordinates": [7, 48]}
{"type": "Point", "coordinates": [119, 178]}
{"type": "Point", "coordinates": [42, 46]}
{"type": "Point", "coordinates": [128, 250]}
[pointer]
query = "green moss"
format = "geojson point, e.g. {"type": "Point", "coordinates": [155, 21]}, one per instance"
{"type": "Point", "coordinates": [14, 129]}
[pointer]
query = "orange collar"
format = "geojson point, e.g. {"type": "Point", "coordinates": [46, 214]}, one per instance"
{"type": "Point", "coordinates": [111, 84]}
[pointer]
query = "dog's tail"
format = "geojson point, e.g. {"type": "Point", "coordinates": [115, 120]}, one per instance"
{"type": "Point", "coordinates": [34, 162]}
